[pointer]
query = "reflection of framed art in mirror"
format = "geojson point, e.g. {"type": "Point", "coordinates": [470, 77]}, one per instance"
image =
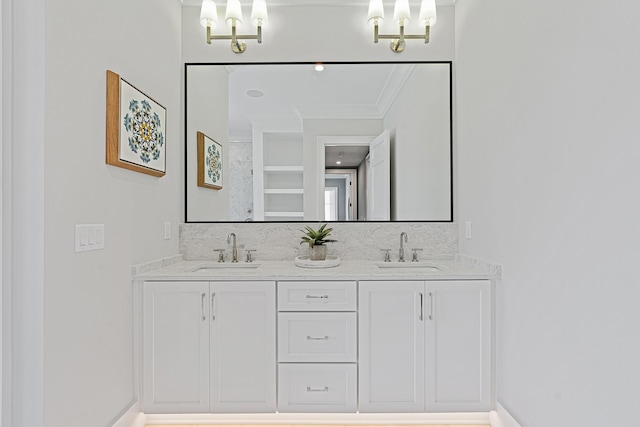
{"type": "Point", "coordinates": [136, 128]}
{"type": "Point", "coordinates": [209, 162]}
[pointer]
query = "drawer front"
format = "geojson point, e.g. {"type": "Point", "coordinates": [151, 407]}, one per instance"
{"type": "Point", "coordinates": [317, 296]}
{"type": "Point", "coordinates": [317, 387]}
{"type": "Point", "coordinates": [317, 337]}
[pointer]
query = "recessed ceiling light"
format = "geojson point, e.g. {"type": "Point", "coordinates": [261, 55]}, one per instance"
{"type": "Point", "coordinates": [319, 67]}
{"type": "Point", "coordinates": [254, 93]}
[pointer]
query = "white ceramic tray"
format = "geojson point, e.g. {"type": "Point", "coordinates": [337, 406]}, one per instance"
{"type": "Point", "coordinates": [305, 262]}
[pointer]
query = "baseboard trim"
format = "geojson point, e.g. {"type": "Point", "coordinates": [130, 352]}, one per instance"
{"type": "Point", "coordinates": [131, 417]}
{"type": "Point", "coordinates": [327, 419]}
{"type": "Point", "coordinates": [501, 418]}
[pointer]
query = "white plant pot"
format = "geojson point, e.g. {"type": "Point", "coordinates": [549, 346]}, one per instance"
{"type": "Point", "coordinates": [317, 252]}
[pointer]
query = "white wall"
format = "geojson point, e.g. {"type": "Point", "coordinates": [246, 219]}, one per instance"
{"type": "Point", "coordinates": [23, 212]}
{"type": "Point", "coordinates": [88, 326]}
{"type": "Point", "coordinates": [206, 86]}
{"type": "Point", "coordinates": [420, 147]}
{"type": "Point", "coordinates": [548, 108]}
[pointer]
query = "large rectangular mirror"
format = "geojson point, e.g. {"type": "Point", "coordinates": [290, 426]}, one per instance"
{"type": "Point", "coordinates": [284, 142]}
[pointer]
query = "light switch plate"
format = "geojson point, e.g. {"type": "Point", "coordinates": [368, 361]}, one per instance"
{"type": "Point", "coordinates": [167, 230]}
{"type": "Point", "coordinates": [89, 237]}
{"type": "Point", "coordinates": [467, 230]}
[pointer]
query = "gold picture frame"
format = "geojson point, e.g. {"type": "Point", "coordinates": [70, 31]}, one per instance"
{"type": "Point", "coordinates": [210, 170]}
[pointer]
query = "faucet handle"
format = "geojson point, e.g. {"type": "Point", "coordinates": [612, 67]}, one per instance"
{"type": "Point", "coordinates": [249, 258]}
{"type": "Point", "coordinates": [220, 254]}
{"type": "Point", "coordinates": [414, 258]}
{"type": "Point", "coordinates": [387, 254]}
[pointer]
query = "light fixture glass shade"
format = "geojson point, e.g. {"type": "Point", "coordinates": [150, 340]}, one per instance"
{"type": "Point", "coordinates": [234, 11]}
{"type": "Point", "coordinates": [428, 13]}
{"type": "Point", "coordinates": [259, 11]}
{"type": "Point", "coordinates": [376, 10]}
{"type": "Point", "coordinates": [401, 10]}
{"type": "Point", "coordinates": [208, 14]}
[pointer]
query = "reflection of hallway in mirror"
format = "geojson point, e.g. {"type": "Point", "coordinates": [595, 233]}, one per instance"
{"type": "Point", "coordinates": [341, 189]}
{"type": "Point", "coordinates": [240, 181]}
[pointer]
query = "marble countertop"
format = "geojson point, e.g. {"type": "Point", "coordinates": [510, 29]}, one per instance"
{"type": "Point", "coordinates": [453, 268]}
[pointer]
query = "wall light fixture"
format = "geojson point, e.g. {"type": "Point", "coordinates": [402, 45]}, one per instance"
{"type": "Point", "coordinates": [402, 14]}
{"type": "Point", "coordinates": [233, 16]}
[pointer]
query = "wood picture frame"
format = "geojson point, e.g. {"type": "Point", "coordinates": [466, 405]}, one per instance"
{"type": "Point", "coordinates": [136, 128]}
{"type": "Point", "coordinates": [210, 158]}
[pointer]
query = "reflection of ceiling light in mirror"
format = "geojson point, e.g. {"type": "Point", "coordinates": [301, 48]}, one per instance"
{"type": "Point", "coordinates": [319, 67]}
{"type": "Point", "coordinates": [339, 162]}
{"type": "Point", "coordinates": [255, 93]}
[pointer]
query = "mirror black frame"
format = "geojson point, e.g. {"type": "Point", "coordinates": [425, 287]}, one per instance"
{"type": "Point", "coordinates": [451, 183]}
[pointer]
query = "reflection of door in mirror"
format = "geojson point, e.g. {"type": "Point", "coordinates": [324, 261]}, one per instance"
{"type": "Point", "coordinates": [369, 195]}
{"type": "Point", "coordinates": [343, 157]}
{"type": "Point", "coordinates": [344, 183]}
{"type": "Point", "coordinates": [380, 167]}
{"type": "Point", "coordinates": [330, 203]}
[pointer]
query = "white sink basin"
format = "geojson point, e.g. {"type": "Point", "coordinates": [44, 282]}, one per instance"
{"type": "Point", "coordinates": [217, 267]}
{"type": "Point", "coordinates": [423, 266]}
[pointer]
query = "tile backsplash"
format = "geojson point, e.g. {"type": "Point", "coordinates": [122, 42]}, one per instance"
{"type": "Point", "coordinates": [281, 241]}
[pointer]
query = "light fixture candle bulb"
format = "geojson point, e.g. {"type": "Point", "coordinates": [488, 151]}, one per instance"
{"type": "Point", "coordinates": [234, 11]}
{"type": "Point", "coordinates": [401, 10]}
{"type": "Point", "coordinates": [259, 13]}
{"type": "Point", "coordinates": [208, 14]}
{"type": "Point", "coordinates": [428, 13]}
{"type": "Point", "coordinates": [376, 11]}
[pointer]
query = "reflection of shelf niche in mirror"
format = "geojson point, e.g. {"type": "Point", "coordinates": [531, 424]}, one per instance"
{"type": "Point", "coordinates": [281, 196]}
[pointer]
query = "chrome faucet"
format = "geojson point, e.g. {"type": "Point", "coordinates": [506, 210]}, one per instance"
{"type": "Point", "coordinates": [406, 240]}
{"type": "Point", "coordinates": [234, 249]}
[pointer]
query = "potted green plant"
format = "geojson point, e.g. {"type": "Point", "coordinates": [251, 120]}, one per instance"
{"type": "Point", "coordinates": [316, 240]}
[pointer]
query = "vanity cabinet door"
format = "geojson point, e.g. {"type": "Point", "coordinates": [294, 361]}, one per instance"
{"type": "Point", "coordinates": [458, 346]}
{"type": "Point", "coordinates": [176, 347]}
{"type": "Point", "coordinates": [391, 347]}
{"type": "Point", "coordinates": [243, 347]}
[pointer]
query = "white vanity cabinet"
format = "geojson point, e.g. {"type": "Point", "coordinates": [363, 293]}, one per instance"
{"type": "Point", "coordinates": [209, 347]}
{"type": "Point", "coordinates": [317, 346]}
{"type": "Point", "coordinates": [425, 346]}
{"type": "Point", "coordinates": [391, 347]}
{"type": "Point", "coordinates": [175, 347]}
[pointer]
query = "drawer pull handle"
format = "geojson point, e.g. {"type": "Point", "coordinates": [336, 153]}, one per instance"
{"type": "Point", "coordinates": [324, 338]}
{"type": "Point", "coordinates": [322, 390]}
{"type": "Point", "coordinates": [317, 296]}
